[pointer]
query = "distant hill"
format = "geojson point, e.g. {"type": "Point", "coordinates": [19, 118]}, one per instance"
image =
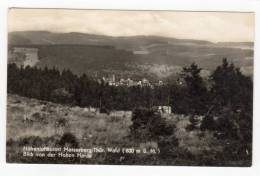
{"type": "Point", "coordinates": [18, 39]}
{"type": "Point", "coordinates": [134, 42]}
{"type": "Point", "coordinates": [84, 53]}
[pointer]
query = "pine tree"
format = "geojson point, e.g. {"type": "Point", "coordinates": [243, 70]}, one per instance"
{"type": "Point", "coordinates": [190, 98]}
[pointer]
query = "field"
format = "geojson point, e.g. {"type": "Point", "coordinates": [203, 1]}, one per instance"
{"type": "Point", "coordinates": [35, 122]}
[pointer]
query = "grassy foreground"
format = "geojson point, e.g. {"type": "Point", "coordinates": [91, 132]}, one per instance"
{"type": "Point", "coordinates": [32, 122]}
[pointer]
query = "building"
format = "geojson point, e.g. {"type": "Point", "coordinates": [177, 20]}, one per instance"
{"type": "Point", "coordinates": [111, 81]}
{"type": "Point", "coordinates": [145, 82]}
{"type": "Point", "coordinates": [164, 109]}
{"type": "Point", "coordinates": [160, 83]}
{"type": "Point", "coordinates": [130, 82]}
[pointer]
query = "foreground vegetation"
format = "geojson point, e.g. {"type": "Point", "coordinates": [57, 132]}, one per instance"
{"type": "Point", "coordinates": [222, 136]}
{"type": "Point", "coordinates": [54, 125]}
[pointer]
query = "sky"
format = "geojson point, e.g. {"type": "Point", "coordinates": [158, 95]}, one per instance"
{"type": "Point", "coordinates": [211, 26]}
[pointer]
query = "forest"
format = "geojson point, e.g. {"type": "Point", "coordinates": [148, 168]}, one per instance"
{"type": "Point", "coordinates": [224, 99]}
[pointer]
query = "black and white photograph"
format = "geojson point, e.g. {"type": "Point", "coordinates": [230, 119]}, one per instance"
{"type": "Point", "coordinates": [130, 87]}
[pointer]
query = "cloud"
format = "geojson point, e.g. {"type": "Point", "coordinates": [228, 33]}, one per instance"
{"type": "Point", "coordinates": [212, 26]}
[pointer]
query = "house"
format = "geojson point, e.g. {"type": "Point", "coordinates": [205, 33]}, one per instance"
{"type": "Point", "coordinates": [117, 113]}
{"type": "Point", "coordinates": [93, 110]}
{"type": "Point", "coordinates": [160, 83]}
{"type": "Point", "coordinates": [164, 109]}
{"type": "Point", "coordinates": [145, 82]}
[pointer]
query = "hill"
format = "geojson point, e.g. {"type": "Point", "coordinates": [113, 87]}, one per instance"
{"type": "Point", "coordinates": [154, 55]}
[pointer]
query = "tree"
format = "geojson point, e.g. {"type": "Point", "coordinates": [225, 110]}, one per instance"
{"type": "Point", "coordinates": [232, 102]}
{"type": "Point", "coordinates": [61, 95]}
{"type": "Point", "coordinates": [190, 97]}
{"type": "Point", "coordinates": [231, 89]}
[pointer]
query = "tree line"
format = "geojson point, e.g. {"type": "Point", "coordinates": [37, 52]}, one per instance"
{"type": "Point", "coordinates": [226, 86]}
{"type": "Point", "coordinates": [67, 88]}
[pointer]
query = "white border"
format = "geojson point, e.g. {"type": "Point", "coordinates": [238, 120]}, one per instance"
{"type": "Point", "coordinates": [78, 170]}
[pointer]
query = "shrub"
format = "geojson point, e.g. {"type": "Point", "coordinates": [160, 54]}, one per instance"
{"type": "Point", "coordinates": [149, 125]}
{"type": "Point", "coordinates": [40, 117]}
{"type": "Point", "coordinates": [167, 146]}
{"type": "Point", "coordinates": [144, 121]}
{"type": "Point", "coordinates": [61, 122]}
{"type": "Point", "coordinates": [61, 95]}
{"type": "Point", "coordinates": [193, 123]}
{"type": "Point", "coordinates": [33, 141]}
{"type": "Point", "coordinates": [70, 140]}
{"type": "Point", "coordinates": [10, 142]}
{"type": "Point", "coordinates": [208, 123]}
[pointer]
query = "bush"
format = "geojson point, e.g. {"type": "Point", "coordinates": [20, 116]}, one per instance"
{"type": "Point", "coordinates": [70, 140]}
{"type": "Point", "coordinates": [39, 117]}
{"type": "Point", "coordinates": [225, 125]}
{"type": "Point", "coordinates": [144, 121]}
{"type": "Point", "coordinates": [61, 122]}
{"type": "Point", "coordinates": [61, 95]}
{"type": "Point", "coordinates": [149, 125]}
{"type": "Point", "coordinates": [167, 146]}
{"type": "Point", "coordinates": [10, 142]}
{"type": "Point", "coordinates": [208, 123]}
{"type": "Point", "coordinates": [193, 123]}
{"type": "Point", "coordinates": [33, 141]}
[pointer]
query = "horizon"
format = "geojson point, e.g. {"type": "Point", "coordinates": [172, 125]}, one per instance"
{"type": "Point", "coordinates": [130, 36]}
{"type": "Point", "coordinates": [207, 26]}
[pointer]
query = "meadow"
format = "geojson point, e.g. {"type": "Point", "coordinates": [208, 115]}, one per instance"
{"type": "Point", "coordinates": [34, 122]}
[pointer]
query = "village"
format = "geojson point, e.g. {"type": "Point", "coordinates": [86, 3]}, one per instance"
{"type": "Point", "coordinates": [112, 81]}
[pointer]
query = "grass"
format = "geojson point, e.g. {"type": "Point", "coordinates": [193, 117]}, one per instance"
{"type": "Point", "coordinates": [49, 121]}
